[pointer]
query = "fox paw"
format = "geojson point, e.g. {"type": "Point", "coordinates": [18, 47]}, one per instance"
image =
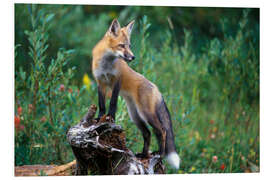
{"type": "Point", "coordinates": [110, 119]}
{"type": "Point", "coordinates": [157, 153]}
{"type": "Point", "coordinates": [142, 155]}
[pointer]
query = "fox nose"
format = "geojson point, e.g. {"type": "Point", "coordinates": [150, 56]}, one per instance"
{"type": "Point", "coordinates": [132, 57]}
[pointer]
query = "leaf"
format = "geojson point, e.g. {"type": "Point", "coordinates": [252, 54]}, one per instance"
{"type": "Point", "coordinates": [22, 73]}
{"type": "Point", "coordinates": [70, 51]}
{"type": "Point", "coordinates": [49, 17]}
{"type": "Point", "coordinates": [27, 32]}
{"type": "Point", "coordinates": [147, 26]}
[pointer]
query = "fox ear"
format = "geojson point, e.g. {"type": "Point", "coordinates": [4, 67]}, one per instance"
{"type": "Point", "coordinates": [130, 27]}
{"type": "Point", "coordinates": [114, 28]}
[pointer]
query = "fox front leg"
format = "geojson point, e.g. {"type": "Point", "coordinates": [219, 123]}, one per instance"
{"type": "Point", "coordinates": [101, 102]}
{"type": "Point", "coordinates": [114, 98]}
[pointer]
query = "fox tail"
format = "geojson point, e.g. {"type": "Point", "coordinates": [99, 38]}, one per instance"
{"type": "Point", "coordinates": [170, 150]}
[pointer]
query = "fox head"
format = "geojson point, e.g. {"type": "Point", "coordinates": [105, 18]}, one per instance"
{"type": "Point", "coordinates": [118, 40]}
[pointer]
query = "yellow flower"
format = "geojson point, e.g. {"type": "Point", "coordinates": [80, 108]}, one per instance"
{"type": "Point", "coordinates": [192, 169]}
{"type": "Point", "coordinates": [86, 81]}
{"type": "Point", "coordinates": [197, 136]}
{"type": "Point", "coordinates": [204, 150]}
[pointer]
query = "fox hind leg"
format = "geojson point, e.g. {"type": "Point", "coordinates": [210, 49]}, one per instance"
{"type": "Point", "coordinates": [142, 127]}
{"type": "Point", "coordinates": [146, 137]}
{"type": "Point", "coordinates": [159, 131]}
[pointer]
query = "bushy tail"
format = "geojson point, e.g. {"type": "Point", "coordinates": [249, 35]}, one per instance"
{"type": "Point", "coordinates": [173, 159]}
{"type": "Point", "coordinates": [165, 119]}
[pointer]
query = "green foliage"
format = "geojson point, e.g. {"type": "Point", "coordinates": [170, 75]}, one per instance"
{"type": "Point", "coordinates": [209, 79]}
{"type": "Point", "coordinates": [48, 107]}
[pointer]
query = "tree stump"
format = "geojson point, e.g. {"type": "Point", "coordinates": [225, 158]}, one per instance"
{"type": "Point", "coordinates": [100, 146]}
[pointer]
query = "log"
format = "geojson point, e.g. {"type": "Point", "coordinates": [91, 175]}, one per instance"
{"type": "Point", "coordinates": [100, 146]}
{"type": "Point", "coordinates": [48, 170]}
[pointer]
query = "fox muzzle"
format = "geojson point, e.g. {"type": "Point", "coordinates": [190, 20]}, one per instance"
{"type": "Point", "coordinates": [129, 58]}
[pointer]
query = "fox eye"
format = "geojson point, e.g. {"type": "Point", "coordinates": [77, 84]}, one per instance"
{"type": "Point", "coordinates": [121, 45]}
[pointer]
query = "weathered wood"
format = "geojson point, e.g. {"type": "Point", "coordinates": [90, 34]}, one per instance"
{"type": "Point", "coordinates": [48, 170]}
{"type": "Point", "coordinates": [100, 146]}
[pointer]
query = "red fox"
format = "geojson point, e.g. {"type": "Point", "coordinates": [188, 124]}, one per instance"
{"type": "Point", "coordinates": [144, 101]}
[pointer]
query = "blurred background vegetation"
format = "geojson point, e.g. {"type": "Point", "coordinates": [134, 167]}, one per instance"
{"type": "Point", "coordinates": [205, 61]}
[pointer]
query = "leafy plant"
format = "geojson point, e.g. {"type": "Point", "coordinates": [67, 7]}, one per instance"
{"type": "Point", "coordinates": [46, 103]}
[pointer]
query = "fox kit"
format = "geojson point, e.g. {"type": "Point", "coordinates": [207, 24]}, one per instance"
{"type": "Point", "coordinates": [144, 101]}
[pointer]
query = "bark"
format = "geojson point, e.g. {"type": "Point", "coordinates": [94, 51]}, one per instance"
{"type": "Point", "coordinates": [100, 146]}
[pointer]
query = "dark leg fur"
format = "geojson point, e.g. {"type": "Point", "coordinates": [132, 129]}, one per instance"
{"type": "Point", "coordinates": [146, 137]}
{"type": "Point", "coordinates": [161, 136]}
{"type": "Point", "coordinates": [114, 98]}
{"type": "Point", "coordinates": [141, 126]}
{"type": "Point", "coordinates": [101, 103]}
{"type": "Point", "coordinates": [159, 132]}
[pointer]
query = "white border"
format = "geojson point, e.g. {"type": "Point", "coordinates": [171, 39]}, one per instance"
{"type": "Point", "coordinates": [7, 80]}
{"type": "Point", "coordinates": [201, 3]}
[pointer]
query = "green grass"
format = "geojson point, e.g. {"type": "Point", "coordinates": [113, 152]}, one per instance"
{"type": "Point", "coordinates": [212, 94]}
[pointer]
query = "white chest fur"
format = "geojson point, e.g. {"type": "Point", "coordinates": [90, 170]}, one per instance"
{"type": "Point", "coordinates": [106, 69]}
